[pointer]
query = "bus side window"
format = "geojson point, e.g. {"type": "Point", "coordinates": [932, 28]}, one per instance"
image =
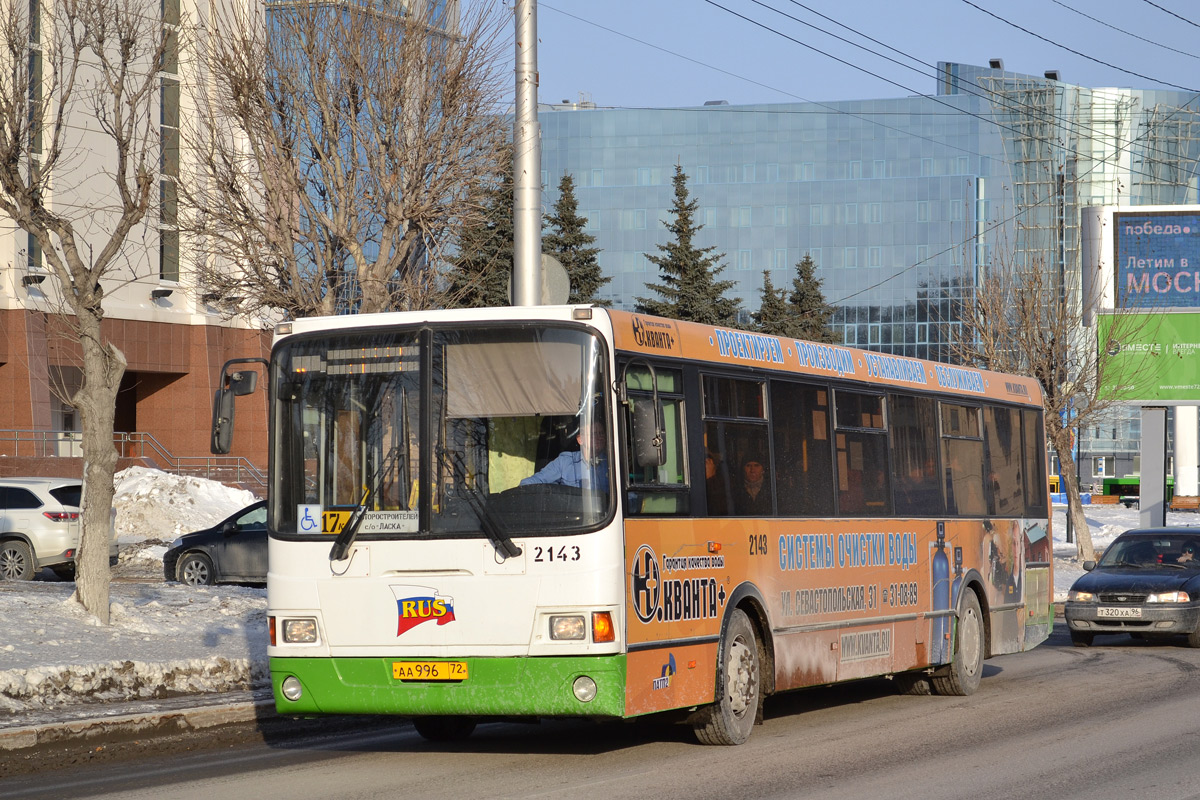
{"type": "Point", "coordinates": [1034, 473]}
{"type": "Point", "coordinates": [862, 458]}
{"type": "Point", "coordinates": [962, 455]}
{"type": "Point", "coordinates": [1002, 443]}
{"type": "Point", "coordinates": [803, 457]}
{"type": "Point", "coordinates": [657, 489]}
{"type": "Point", "coordinates": [912, 425]}
{"type": "Point", "coordinates": [735, 434]}
{"type": "Point", "coordinates": [737, 487]}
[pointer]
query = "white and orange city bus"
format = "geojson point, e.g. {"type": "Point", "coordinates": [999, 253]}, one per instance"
{"type": "Point", "coordinates": [571, 511]}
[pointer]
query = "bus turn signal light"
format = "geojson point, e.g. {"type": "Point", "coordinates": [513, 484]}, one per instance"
{"type": "Point", "coordinates": [602, 627]}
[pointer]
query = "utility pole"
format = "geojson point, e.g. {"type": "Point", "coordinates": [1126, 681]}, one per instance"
{"type": "Point", "coordinates": [527, 164]}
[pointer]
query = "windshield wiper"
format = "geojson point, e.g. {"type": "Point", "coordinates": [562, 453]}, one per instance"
{"type": "Point", "coordinates": [341, 545]}
{"type": "Point", "coordinates": [500, 540]}
{"type": "Point", "coordinates": [345, 538]}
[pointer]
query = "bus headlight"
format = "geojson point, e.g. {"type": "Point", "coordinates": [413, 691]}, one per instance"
{"type": "Point", "coordinates": [291, 688]}
{"type": "Point", "coordinates": [567, 627]}
{"type": "Point", "coordinates": [584, 689]}
{"type": "Point", "coordinates": [300, 631]}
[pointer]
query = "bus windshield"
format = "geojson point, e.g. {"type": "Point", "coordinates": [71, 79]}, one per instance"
{"type": "Point", "coordinates": [444, 432]}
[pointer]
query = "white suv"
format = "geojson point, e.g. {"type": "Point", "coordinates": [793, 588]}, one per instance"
{"type": "Point", "coordinates": [40, 527]}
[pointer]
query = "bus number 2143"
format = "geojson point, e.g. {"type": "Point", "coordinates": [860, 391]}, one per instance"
{"type": "Point", "coordinates": [561, 553]}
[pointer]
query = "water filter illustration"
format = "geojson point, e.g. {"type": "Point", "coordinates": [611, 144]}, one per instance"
{"type": "Point", "coordinates": [940, 566]}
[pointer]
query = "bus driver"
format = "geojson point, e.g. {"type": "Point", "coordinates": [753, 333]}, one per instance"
{"type": "Point", "coordinates": [586, 467]}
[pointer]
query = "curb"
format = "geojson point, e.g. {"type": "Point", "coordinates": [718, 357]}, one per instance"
{"type": "Point", "coordinates": [177, 720]}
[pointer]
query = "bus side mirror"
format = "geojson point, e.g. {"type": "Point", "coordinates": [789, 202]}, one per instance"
{"type": "Point", "coordinates": [647, 438]}
{"type": "Point", "coordinates": [232, 384]}
{"type": "Point", "coordinates": [222, 432]}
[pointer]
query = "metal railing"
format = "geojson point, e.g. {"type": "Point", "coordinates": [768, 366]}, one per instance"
{"type": "Point", "coordinates": [69, 444]}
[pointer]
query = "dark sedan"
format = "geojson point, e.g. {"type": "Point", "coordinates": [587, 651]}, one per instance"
{"type": "Point", "coordinates": [233, 551]}
{"type": "Point", "coordinates": [1146, 584]}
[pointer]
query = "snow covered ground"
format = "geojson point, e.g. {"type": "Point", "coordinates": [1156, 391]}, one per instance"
{"type": "Point", "coordinates": [167, 639]}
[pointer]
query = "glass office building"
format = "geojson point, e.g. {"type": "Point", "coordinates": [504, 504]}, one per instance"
{"type": "Point", "coordinates": [902, 203]}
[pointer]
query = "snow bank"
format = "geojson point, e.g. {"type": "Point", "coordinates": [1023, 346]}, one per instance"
{"type": "Point", "coordinates": [156, 505]}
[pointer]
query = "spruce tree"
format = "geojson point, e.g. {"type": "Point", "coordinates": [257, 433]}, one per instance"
{"type": "Point", "coordinates": [811, 314]}
{"type": "Point", "coordinates": [480, 272]}
{"type": "Point", "coordinates": [567, 242]}
{"type": "Point", "coordinates": [773, 316]}
{"type": "Point", "coordinates": [689, 289]}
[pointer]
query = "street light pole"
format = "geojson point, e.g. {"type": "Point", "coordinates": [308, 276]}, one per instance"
{"type": "Point", "coordinates": [527, 163]}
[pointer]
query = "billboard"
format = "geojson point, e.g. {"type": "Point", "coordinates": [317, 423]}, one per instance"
{"type": "Point", "coordinates": [1157, 258]}
{"type": "Point", "coordinates": [1155, 361]}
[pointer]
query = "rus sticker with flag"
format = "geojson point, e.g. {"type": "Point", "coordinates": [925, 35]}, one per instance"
{"type": "Point", "coordinates": [417, 604]}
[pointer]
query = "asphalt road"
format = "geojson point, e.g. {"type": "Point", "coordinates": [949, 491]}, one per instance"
{"type": "Point", "coordinates": [1114, 721]}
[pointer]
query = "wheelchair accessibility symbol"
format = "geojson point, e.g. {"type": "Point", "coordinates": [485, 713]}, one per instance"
{"type": "Point", "coordinates": [308, 518]}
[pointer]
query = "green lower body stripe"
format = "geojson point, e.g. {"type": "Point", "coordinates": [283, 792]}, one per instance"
{"type": "Point", "coordinates": [495, 687]}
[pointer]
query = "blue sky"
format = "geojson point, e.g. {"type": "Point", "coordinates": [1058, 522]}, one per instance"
{"type": "Point", "coordinates": [589, 46]}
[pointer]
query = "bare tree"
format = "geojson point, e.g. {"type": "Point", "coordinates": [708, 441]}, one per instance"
{"type": "Point", "coordinates": [79, 161]}
{"type": "Point", "coordinates": [1024, 320]}
{"type": "Point", "coordinates": [335, 143]}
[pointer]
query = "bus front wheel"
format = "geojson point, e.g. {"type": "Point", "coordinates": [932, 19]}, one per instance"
{"type": "Point", "coordinates": [966, 669]}
{"type": "Point", "coordinates": [739, 687]}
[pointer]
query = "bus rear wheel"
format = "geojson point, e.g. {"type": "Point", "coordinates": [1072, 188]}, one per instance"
{"type": "Point", "coordinates": [739, 687]}
{"type": "Point", "coordinates": [444, 729]}
{"type": "Point", "coordinates": [966, 669]}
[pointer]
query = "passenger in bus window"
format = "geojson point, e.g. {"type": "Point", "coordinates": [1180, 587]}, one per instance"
{"type": "Point", "coordinates": [586, 467]}
{"type": "Point", "coordinates": [714, 486]}
{"type": "Point", "coordinates": [755, 498]}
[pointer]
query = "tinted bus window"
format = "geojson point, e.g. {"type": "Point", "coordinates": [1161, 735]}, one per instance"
{"type": "Point", "coordinates": [862, 458]}
{"type": "Point", "coordinates": [962, 455]}
{"type": "Point", "coordinates": [738, 477]}
{"type": "Point", "coordinates": [1034, 454]}
{"type": "Point", "coordinates": [912, 424]}
{"type": "Point", "coordinates": [803, 456]}
{"type": "Point", "coordinates": [733, 399]}
{"type": "Point", "coordinates": [1002, 444]}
